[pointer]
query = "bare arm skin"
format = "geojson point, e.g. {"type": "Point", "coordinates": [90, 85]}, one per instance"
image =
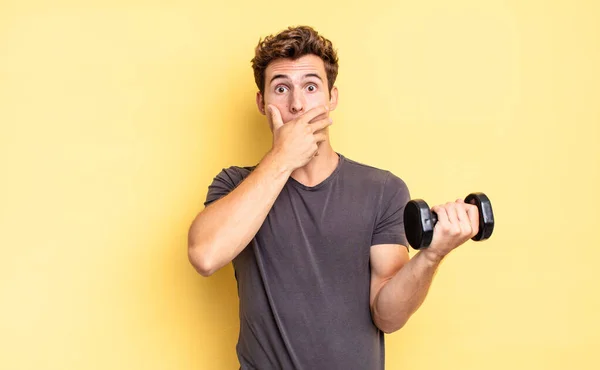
{"type": "Point", "coordinates": [399, 285]}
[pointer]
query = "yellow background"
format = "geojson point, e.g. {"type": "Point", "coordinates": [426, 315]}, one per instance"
{"type": "Point", "coordinates": [116, 115]}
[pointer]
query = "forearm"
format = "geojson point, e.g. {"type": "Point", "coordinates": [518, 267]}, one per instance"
{"type": "Point", "coordinates": [223, 229]}
{"type": "Point", "coordinates": [404, 293]}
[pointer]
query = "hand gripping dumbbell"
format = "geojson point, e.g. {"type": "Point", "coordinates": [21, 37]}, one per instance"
{"type": "Point", "coordinates": [419, 220]}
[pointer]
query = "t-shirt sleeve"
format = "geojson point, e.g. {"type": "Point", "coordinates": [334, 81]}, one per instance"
{"type": "Point", "coordinates": [227, 180]}
{"type": "Point", "coordinates": [389, 227]}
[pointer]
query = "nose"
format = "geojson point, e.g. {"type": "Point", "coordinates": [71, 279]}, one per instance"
{"type": "Point", "coordinates": [297, 102]}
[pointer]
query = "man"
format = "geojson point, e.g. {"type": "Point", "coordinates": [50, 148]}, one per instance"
{"type": "Point", "coordinates": [317, 240]}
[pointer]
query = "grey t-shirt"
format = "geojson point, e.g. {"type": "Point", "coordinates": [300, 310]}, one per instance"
{"type": "Point", "coordinates": [303, 281]}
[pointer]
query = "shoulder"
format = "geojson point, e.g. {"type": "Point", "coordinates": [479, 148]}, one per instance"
{"type": "Point", "coordinates": [234, 174]}
{"type": "Point", "coordinates": [373, 176]}
{"type": "Point", "coordinates": [229, 178]}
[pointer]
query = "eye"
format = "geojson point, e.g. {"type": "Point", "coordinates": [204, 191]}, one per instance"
{"type": "Point", "coordinates": [311, 88]}
{"type": "Point", "coordinates": [281, 89]}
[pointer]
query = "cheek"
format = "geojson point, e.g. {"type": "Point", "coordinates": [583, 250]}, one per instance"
{"type": "Point", "coordinates": [316, 99]}
{"type": "Point", "coordinates": [282, 104]}
{"type": "Point", "coordinates": [278, 100]}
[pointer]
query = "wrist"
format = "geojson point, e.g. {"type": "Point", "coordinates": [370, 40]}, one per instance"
{"type": "Point", "coordinates": [433, 257]}
{"type": "Point", "coordinates": [274, 161]}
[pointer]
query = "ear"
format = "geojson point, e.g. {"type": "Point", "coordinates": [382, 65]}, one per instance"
{"type": "Point", "coordinates": [333, 99]}
{"type": "Point", "coordinates": [260, 103]}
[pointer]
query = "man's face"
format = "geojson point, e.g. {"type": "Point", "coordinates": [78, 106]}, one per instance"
{"type": "Point", "coordinates": [296, 86]}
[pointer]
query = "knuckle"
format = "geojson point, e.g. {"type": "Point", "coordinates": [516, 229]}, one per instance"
{"type": "Point", "coordinates": [467, 230]}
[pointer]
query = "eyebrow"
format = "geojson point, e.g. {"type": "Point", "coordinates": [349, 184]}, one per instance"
{"type": "Point", "coordinates": [286, 77]}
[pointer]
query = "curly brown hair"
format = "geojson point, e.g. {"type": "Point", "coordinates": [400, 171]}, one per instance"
{"type": "Point", "coordinates": [294, 42]}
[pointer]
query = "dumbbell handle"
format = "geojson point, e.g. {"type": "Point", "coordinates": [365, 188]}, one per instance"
{"type": "Point", "coordinates": [420, 220]}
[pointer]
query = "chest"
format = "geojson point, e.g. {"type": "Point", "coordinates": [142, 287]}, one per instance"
{"type": "Point", "coordinates": [330, 226]}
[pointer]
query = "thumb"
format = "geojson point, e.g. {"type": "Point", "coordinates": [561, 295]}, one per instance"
{"type": "Point", "coordinates": [274, 117]}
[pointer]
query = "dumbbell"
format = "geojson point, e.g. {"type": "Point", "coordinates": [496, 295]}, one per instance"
{"type": "Point", "coordinates": [419, 220]}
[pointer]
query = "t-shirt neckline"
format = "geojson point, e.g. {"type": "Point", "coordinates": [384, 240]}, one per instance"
{"type": "Point", "coordinates": [327, 180]}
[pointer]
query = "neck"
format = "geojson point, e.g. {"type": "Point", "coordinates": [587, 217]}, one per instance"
{"type": "Point", "coordinates": [319, 168]}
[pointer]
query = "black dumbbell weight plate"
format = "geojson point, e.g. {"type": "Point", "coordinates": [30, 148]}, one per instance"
{"type": "Point", "coordinates": [418, 223]}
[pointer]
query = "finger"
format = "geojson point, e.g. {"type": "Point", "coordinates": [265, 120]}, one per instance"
{"type": "Point", "coordinates": [275, 119]}
{"type": "Point", "coordinates": [313, 113]}
{"type": "Point", "coordinates": [319, 117]}
{"type": "Point", "coordinates": [442, 225]}
{"type": "Point", "coordinates": [451, 211]}
{"type": "Point", "coordinates": [463, 219]}
{"type": "Point", "coordinates": [442, 216]}
{"type": "Point", "coordinates": [320, 137]}
{"type": "Point", "coordinates": [473, 214]}
{"type": "Point", "coordinates": [320, 125]}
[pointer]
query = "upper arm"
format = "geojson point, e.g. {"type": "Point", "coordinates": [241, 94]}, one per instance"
{"type": "Point", "coordinates": [227, 180]}
{"type": "Point", "coordinates": [386, 260]}
{"type": "Point", "coordinates": [388, 253]}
